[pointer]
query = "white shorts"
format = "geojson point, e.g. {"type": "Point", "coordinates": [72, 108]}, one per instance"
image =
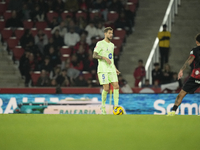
{"type": "Point", "coordinates": [107, 77]}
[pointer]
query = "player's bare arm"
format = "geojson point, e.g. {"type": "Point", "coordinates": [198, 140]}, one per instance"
{"type": "Point", "coordinates": [186, 64]}
{"type": "Point", "coordinates": [97, 56]}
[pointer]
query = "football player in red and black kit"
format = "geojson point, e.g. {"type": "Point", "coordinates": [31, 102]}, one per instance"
{"type": "Point", "coordinates": [194, 81]}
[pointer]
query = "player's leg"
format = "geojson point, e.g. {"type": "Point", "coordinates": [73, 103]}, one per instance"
{"type": "Point", "coordinates": [112, 76]}
{"type": "Point", "coordinates": [115, 92]}
{"type": "Point", "coordinates": [103, 80]}
{"type": "Point", "coordinates": [189, 87]}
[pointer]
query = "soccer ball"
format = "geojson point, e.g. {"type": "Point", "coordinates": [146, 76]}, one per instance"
{"type": "Point", "coordinates": [118, 110]}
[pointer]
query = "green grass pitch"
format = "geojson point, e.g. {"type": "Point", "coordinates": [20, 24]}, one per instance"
{"type": "Point", "coordinates": [99, 132]}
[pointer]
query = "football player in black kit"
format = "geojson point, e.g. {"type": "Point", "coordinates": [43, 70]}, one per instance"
{"type": "Point", "coordinates": [194, 81]}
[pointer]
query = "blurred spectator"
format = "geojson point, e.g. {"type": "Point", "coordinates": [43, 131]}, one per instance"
{"type": "Point", "coordinates": [75, 63]}
{"type": "Point", "coordinates": [93, 43]}
{"type": "Point", "coordinates": [38, 14]}
{"type": "Point", "coordinates": [58, 6]}
{"type": "Point", "coordinates": [26, 38]}
{"type": "Point", "coordinates": [73, 25]}
{"type": "Point", "coordinates": [99, 4]}
{"type": "Point", "coordinates": [62, 79]}
{"type": "Point", "coordinates": [116, 5]}
{"type": "Point", "coordinates": [23, 62]}
{"type": "Point", "coordinates": [139, 73]}
{"type": "Point", "coordinates": [47, 46]}
{"type": "Point", "coordinates": [15, 5]}
{"type": "Point", "coordinates": [25, 12]}
{"type": "Point", "coordinates": [80, 81]}
{"type": "Point", "coordinates": [41, 40]}
{"type": "Point", "coordinates": [72, 73]}
{"type": "Point", "coordinates": [90, 63]}
{"type": "Point", "coordinates": [100, 30]}
{"type": "Point", "coordinates": [46, 65]}
{"type": "Point", "coordinates": [156, 73]}
{"type": "Point", "coordinates": [54, 23]}
{"type": "Point", "coordinates": [122, 82]}
{"type": "Point", "coordinates": [164, 45]}
{"type": "Point", "coordinates": [175, 79]}
{"type": "Point", "coordinates": [43, 4]}
{"type": "Point", "coordinates": [55, 73]}
{"type": "Point", "coordinates": [58, 40]}
{"type": "Point", "coordinates": [89, 83]}
{"type": "Point", "coordinates": [167, 74]}
{"type": "Point", "coordinates": [14, 22]}
{"type": "Point", "coordinates": [50, 6]}
{"type": "Point", "coordinates": [81, 48]}
{"type": "Point", "coordinates": [71, 38]}
{"type": "Point", "coordinates": [156, 84]}
{"type": "Point", "coordinates": [54, 58]}
{"type": "Point", "coordinates": [43, 80]}
{"type": "Point", "coordinates": [53, 83]}
{"type": "Point", "coordinates": [61, 28]}
{"type": "Point", "coordinates": [91, 29]}
{"type": "Point", "coordinates": [67, 21]}
{"type": "Point", "coordinates": [81, 23]}
{"type": "Point", "coordinates": [83, 5]}
{"type": "Point", "coordinates": [122, 22]}
{"type": "Point", "coordinates": [129, 16]}
{"type": "Point", "coordinates": [146, 83]}
{"type": "Point", "coordinates": [72, 6]}
{"type": "Point", "coordinates": [30, 66]}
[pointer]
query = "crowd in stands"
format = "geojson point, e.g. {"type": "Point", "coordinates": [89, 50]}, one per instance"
{"type": "Point", "coordinates": [59, 36]}
{"type": "Point", "coordinates": [159, 76]}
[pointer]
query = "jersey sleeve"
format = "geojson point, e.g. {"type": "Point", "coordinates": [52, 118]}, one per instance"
{"type": "Point", "coordinates": [193, 53]}
{"type": "Point", "coordinates": [97, 47]}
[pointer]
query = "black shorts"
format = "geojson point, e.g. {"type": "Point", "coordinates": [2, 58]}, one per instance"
{"type": "Point", "coordinates": [191, 85]}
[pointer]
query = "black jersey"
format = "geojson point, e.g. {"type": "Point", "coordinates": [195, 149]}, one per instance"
{"type": "Point", "coordinates": [195, 52]}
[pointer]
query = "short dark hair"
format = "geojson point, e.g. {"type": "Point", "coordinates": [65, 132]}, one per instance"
{"type": "Point", "coordinates": [107, 29]}
{"type": "Point", "coordinates": [198, 38]}
{"type": "Point", "coordinates": [140, 60]}
{"type": "Point", "coordinates": [164, 26]}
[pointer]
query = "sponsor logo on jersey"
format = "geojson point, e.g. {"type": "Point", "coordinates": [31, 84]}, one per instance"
{"type": "Point", "coordinates": [110, 56]}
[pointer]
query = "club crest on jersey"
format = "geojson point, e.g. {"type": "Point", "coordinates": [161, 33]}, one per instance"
{"type": "Point", "coordinates": [110, 56]}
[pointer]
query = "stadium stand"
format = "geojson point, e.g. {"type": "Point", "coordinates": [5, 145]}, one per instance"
{"type": "Point", "coordinates": [40, 15]}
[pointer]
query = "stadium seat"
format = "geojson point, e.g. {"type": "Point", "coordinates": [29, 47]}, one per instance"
{"type": "Point", "coordinates": [34, 31]}
{"type": "Point", "coordinates": [6, 33]}
{"type": "Point", "coordinates": [66, 13]}
{"type": "Point", "coordinates": [12, 42]}
{"type": "Point", "coordinates": [64, 57]}
{"type": "Point", "coordinates": [47, 31]}
{"type": "Point", "coordinates": [3, 7]}
{"type": "Point", "coordinates": [7, 14]}
{"type": "Point", "coordinates": [51, 15]}
{"type": "Point", "coordinates": [81, 14]}
{"type": "Point", "coordinates": [112, 16]}
{"type": "Point", "coordinates": [19, 32]}
{"type": "Point", "coordinates": [117, 41]}
{"type": "Point", "coordinates": [65, 50]}
{"type": "Point", "coordinates": [28, 24]}
{"type": "Point", "coordinates": [18, 51]}
{"type": "Point", "coordinates": [131, 6]}
{"type": "Point", "coordinates": [86, 75]}
{"type": "Point", "coordinates": [35, 76]}
{"type": "Point", "coordinates": [41, 25]}
{"type": "Point", "coordinates": [133, 1]}
{"type": "Point", "coordinates": [93, 14]}
{"type": "Point", "coordinates": [119, 32]}
{"type": "Point", "coordinates": [116, 51]}
{"type": "Point", "coordinates": [2, 24]}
